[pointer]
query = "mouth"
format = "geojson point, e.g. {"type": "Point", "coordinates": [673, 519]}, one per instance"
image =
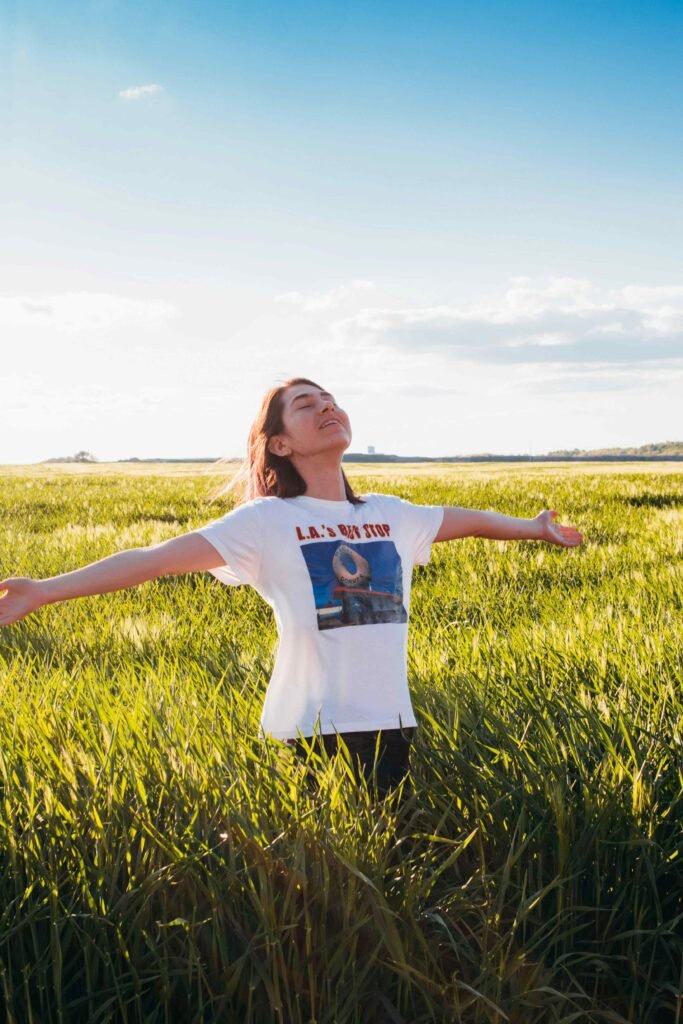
{"type": "Point", "coordinates": [330, 423]}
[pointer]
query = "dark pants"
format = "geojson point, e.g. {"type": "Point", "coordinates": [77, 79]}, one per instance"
{"type": "Point", "coordinates": [392, 756]}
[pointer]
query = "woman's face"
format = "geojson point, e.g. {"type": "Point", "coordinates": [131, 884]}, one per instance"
{"type": "Point", "coordinates": [312, 423]}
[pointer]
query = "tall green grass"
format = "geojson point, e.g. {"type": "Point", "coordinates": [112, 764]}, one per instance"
{"type": "Point", "coordinates": [158, 862]}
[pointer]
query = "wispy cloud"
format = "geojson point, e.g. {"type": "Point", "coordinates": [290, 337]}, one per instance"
{"type": "Point", "coordinates": [316, 302]}
{"type": "Point", "coordinates": [137, 92]}
{"type": "Point", "coordinates": [566, 320]}
{"type": "Point", "coordinates": [600, 379]}
{"type": "Point", "coordinates": [32, 403]}
{"type": "Point", "coordinates": [80, 311]}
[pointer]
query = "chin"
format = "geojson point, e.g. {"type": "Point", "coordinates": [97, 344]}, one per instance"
{"type": "Point", "coordinates": [339, 444]}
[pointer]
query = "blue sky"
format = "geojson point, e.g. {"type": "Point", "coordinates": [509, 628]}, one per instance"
{"type": "Point", "coordinates": [465, 221]}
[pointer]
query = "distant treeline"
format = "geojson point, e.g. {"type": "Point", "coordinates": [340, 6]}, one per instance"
{"type": "Point", "coordinates": [352, 457]}
{"type": "Point", "coordinates": [663, 451]}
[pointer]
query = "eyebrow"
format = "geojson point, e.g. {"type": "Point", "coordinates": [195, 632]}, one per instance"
{"type": "Point", "coordinates": [310, 394]}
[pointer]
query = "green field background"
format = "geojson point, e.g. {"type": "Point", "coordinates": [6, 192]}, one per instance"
{"type": "Point", "coordinates": [159, 862]}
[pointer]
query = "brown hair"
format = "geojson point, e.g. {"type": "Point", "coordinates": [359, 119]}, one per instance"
{"type": "Point", "coordinates": [262, 473]}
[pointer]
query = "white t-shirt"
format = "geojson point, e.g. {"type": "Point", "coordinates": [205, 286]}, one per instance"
{"type": "Point", "coordinates": [338, 578]}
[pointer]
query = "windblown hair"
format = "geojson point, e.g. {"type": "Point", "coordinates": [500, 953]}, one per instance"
{"type": "Point", "coordinates": [262, 473]}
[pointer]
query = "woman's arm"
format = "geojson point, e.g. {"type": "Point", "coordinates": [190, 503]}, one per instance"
{"type": "Point", "coordinates": [471, 522]}
{"type": "Point", "coordinates": [189, 553]}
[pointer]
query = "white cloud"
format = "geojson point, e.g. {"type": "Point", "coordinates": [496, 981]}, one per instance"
{"type": "Point", "coordinates": [136, 92]}
{"type": "Point", "coordinates": [566, 320]}
{"type": "Point", "coordinates": [314, 303]}
{"type": "Point", "coordinates": [81, 311]}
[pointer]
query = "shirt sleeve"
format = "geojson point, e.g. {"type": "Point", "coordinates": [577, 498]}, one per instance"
{"type": "Point", "coordinates": [421, 523]}
{"type": "Point", "coordinates": [236, 537]}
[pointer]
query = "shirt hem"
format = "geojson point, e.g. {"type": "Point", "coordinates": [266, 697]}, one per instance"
{"type": "Point", "coordinates": [358, 725]}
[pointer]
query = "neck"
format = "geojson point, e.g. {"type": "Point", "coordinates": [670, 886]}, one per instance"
{"type": "Point", "coordinates": [322, 475]}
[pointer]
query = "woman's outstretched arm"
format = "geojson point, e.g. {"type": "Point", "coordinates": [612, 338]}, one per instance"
{"type": "Point", "coordinates": [188, 553]}
{"type": "Point", "coordinates": [472, 522]}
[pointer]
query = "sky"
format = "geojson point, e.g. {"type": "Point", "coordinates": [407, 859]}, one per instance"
{"type": "Point", "coordinates": [464, 220]}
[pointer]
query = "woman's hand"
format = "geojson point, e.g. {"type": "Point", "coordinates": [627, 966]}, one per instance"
{"type": "Point", "coordinates": [23, 596]}
{"type": "Point", "coordinates": [555, 533]}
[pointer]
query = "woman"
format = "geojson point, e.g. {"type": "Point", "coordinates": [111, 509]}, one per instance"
{"type": "Point", "coordinates": [335, 567]}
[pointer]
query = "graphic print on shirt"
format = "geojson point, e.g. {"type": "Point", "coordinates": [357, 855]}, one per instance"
{"type": "Point", "coordinates": [355, 584]}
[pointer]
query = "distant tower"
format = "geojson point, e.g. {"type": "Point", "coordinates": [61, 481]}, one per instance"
{"type": "Point", "coordinates": [371, 449]}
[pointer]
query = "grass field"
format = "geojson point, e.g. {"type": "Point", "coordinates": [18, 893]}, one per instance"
{"type": "Point", "coordinates": [160, 863]}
